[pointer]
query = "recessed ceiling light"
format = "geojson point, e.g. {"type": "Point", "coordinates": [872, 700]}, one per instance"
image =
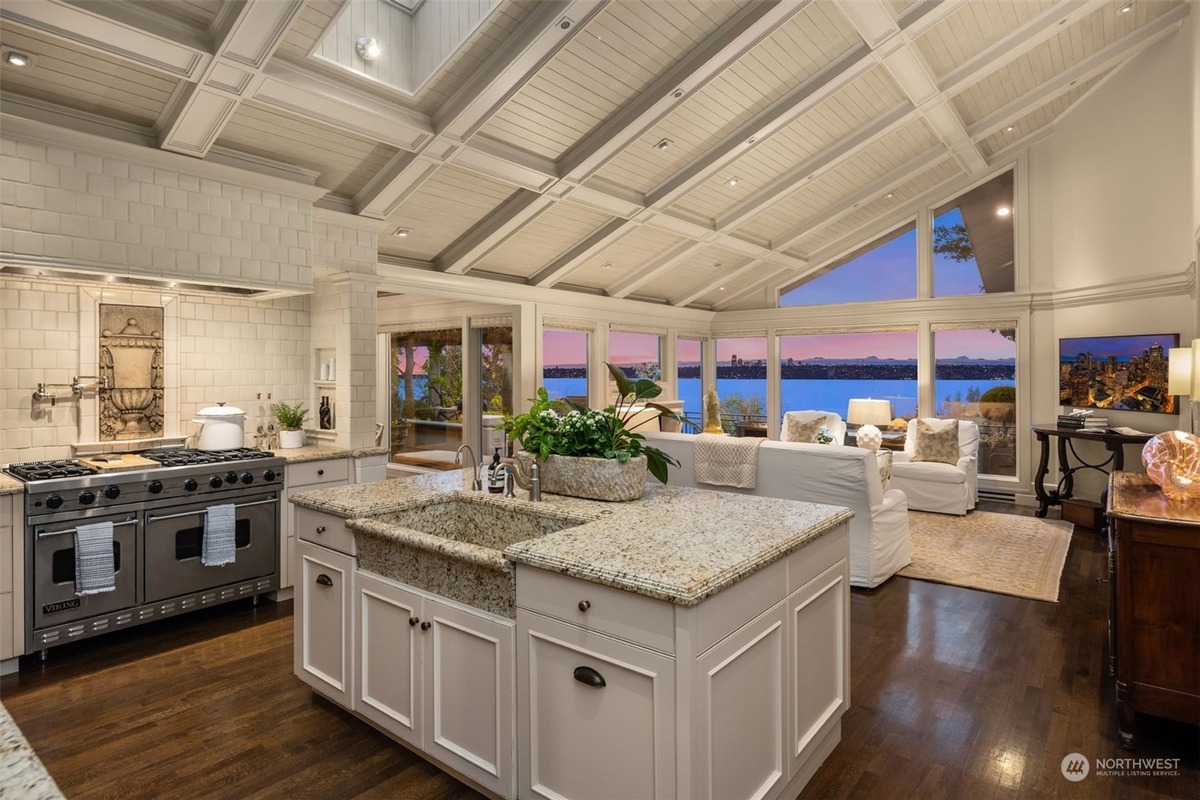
{"type": "Point", "coordinates": [1003, 211]}
{"type": "Point", "coordinates": [721, 289]}
{"type": "Point", "coordinates": [717, 265]}
{"type": "Point", "coordinates": [678, 93]}
{"type": "Point", "coordinates": [1125, 9]}
{"type": "Point", "coordinates": [368, 48]}
{"type": "Point", "coordinates": [606, 265]}
{"type": "Point", "coordinates": [1009, 129]}
{"type": "Point", "coordinates": [16, 59]}
{"type": "Point", "coordinates": [731, 182]}
{"type": "Point", "coordinates": [752, 140]}
{"type": "Point", "coordinates": [664, 144]}
{"type": "Point", "coordinates": [890, 195]}
{"type": "Point", "coordinates": [401, 233]}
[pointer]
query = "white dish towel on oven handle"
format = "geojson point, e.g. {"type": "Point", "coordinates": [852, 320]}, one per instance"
{"type": "Point", "coordinates": [219, 546]}
{"type": "Point", "coordinates": [95, 570]}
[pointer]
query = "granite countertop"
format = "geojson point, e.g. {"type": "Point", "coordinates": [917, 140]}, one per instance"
{"type": "Point", "coordinates": [319, 452]}
{"type": "Point", "coordinates": [10, 485]}
{"type": "Point", "coordinates": [22, 774]}
{"type": "Point", "coordinates": [675, 544]}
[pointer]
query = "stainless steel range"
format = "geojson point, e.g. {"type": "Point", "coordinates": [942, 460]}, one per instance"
{"type": "Point", "coordinates": [158, 524]}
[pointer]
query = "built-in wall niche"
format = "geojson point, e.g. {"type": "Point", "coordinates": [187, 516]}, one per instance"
{"type": "Point", "coordinates": [324, 404]}
{"type": "Point", "coordinates": [142, 351]}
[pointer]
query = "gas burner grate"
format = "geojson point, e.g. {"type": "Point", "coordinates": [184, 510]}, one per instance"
{"type": "Point", "coordinates": [182, 458]}
{"type": "Point", "coordinates": [30, 471]}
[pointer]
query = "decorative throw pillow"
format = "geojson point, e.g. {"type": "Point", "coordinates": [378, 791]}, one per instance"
{"type": "Point", "coordinates": [937, 444]}
{"type": "Point", "coordinates": [804, 430]}
{"type": "Point", "coordinates": [884, 459]}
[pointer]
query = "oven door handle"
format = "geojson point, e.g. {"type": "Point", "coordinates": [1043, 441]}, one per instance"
{"type": "Point", "coordinates": [153, 518]}
{"type": "Point", "coordinates": [42, 533]}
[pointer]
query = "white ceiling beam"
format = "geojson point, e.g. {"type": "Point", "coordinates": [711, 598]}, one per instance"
{"type": "Point", "coordinates": [171, 50]}
{"type": "Point", "coordinates": [757, 286]}
{"type": "Point", "coordinates": [573, 259]}
{"type": "Point", "coordinates": [724, 279]}
{"type": "Point", "coordinates": [874, 190]}
{"type": "Point", "coordinates": [658, 266]}
{"type": "Point", "coordinates": [1041, 28]}
{"type": "Point", "coordinates": [921, 17]}
{"type": "Point", "coordinates": [755, 22]}
{"type": "Point", "coordinates": [839, 153]}
{"type": "Point", "coordinates": [763, 125]}
{"type": "Point", "coordinates": [1082, 72]}
{"type": "Point", "coordinates": [514, 214]}
{"type": "Point", "coordinates": [197, 114]}
{"type": "Point", "coordinates": [299, 90]}
{"type": "Point", "coordinates": [546, 31]}
{"type": "Point", "coordinates": [871, 18]}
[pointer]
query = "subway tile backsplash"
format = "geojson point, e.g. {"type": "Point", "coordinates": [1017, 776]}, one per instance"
{"type": "Point", "coordinates": [229, 350]}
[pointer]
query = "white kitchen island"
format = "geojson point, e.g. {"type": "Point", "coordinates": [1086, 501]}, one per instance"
{"type": "Point", "coordinates": [691, 644]}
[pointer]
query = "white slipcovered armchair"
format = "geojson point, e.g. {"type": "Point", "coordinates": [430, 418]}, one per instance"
{"type": "Point", "coordinates": [933, 485]}
{"type": "Point", "coordinates": [834, 422]}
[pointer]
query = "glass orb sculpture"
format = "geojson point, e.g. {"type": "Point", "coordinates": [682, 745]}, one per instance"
{"type": "Point", "coordinates": [1172, 460]}
{"type": "Point", "coordinates": [868, 436]}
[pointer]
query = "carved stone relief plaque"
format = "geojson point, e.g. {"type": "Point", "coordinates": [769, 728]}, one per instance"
{"type": "Point", "coordinates": [131, 359]}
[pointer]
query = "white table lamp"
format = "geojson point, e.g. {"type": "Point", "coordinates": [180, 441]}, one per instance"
{"type": "Point", "coordinates": [866, 414]}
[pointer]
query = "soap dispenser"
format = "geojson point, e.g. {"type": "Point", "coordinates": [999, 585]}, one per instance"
{"type": "Point", "coordinates": [495, 482]}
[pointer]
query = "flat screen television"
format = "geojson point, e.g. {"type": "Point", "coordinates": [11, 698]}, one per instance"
{"type": "Point", "coordinates": [1121, 373]}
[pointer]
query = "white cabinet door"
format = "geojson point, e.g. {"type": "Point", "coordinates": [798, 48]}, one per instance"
{"type": "Point", "coordinates": [597, 718]}
{"type": "Point", "coordinates": [322, 622]}
{"type": "Point", "coordinates": [740, 721]}
{"type": "Point", "coordinates": [469, 693]}
{"type": "Point", "coordinates": [388, 653]}
{"type": "Point", "coordinates": [818, 635]}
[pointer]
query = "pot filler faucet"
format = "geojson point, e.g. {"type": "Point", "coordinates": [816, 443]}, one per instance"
{"type": "Point", "coordinates": [476, 484]}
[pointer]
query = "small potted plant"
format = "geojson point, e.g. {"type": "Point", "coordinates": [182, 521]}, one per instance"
{"type": "Point", "coordinates": [291, 424]}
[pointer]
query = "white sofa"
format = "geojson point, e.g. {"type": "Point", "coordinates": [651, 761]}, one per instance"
{"type": "Point", "coordinates": [932, 485]}
{"type": "Point", "coordinates": [833, 474]}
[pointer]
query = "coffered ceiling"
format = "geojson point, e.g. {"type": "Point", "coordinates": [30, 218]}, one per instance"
{"type": "Point", "coordinates": [688, 152]}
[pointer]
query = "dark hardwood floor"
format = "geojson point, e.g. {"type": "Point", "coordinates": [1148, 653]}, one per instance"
{"type": "Point", "coordinates": [955, 693]}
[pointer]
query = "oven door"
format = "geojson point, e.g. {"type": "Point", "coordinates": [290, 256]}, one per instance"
{"type": "Point", "coordinates": [173, 544]}
{"type": "Point", "coordinates": [53, 580]}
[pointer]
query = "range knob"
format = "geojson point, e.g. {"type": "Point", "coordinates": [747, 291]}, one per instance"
{"type": "Point", "coordinates": [190, 484]}
{"type": "Point", "coordinates": [154, 487]}
{"type": "Point", "coordinates": [231, 478]}
{"type": "Point", "coordinates": [53, 501]}
{"type": "Point", "coordinates": [269, 475]}
{"type": "Point", "coordinates": [215, 481]}
{"type": "Point", "coordinates": [247, 478]}
{"type": "Point", "coordinates": [112, 492]}
{"type": "Point", "coordinates": [87, 497]}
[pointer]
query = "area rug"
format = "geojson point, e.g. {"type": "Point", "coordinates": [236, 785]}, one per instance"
{"type": "Point", "coordinates": [1003, 553]}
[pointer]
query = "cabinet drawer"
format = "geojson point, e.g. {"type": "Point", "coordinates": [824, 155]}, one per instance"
{"type": "Point", "coordinates": [632, 617]}
{"type": "Point", "coordinates": [325, 530]}
{"type": "Point", "coordinates": [333, 470]}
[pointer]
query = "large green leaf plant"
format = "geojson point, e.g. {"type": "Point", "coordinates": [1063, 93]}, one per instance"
{"type": "Point", "coordinates": [589, 433]}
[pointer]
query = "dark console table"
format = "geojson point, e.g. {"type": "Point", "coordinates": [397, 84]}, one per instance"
{"type": "Point", "coordinates": [1113, 442]}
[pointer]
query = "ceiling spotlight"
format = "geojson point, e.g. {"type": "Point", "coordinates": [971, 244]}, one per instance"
{"type": "Point", "coordinates": [717, 265]}
{"type": "Point", "coordinates": [678, 93]}
{"type": "Point", "coordinates": [731, 182]}
{"type": "Point", "coordinates": [1009, 129]}
{"type": "Point", "coordinates": [664, 144]}
{"type": "Point", "coordinates": [401, 233]}
{"type": "Point", "coordinates": [1125, 9]}
{"type": "Point", "coordinates": [606, 265]}
{"type": "Point", "coordinates": [752, 140]}
{"type": "Point", "coordinates": [368, 49]}
{"type": "Point", "coordinates": [890, 195]}
{"type": "Point", "coordinates": [721, 289]}
{"type": "Point", "coordinates": [1003, 211]}
{"type": "Point", "coordinates": [17, 59]}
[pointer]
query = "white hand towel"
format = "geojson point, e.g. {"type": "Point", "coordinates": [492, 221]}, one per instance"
{"type": "Point", "coordinates": [94, 563]}
{"type": "Point", "coordinates": [219, 546]}
{"type": "Point", "coordinates": [727, 461]}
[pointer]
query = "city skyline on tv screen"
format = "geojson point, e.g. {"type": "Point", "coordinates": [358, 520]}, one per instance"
{"type": "Point", "coordinates": [1120, 373]}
